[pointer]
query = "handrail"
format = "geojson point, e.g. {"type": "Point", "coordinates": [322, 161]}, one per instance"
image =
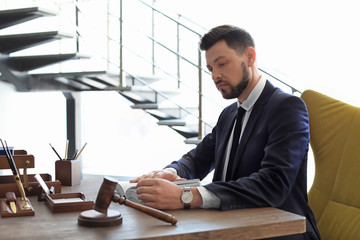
{"type": "Point", "coordinates": [167, 48]}
{"type": "Point", "coordinates": [171, 75]}
{"type": "Point", "coordinates": [164, 96]}
{"type": "Point", "coordinates": [293, 89]}
{"type": "Point", "coordinates": [198, 65]}
{"type": "Point", "coordinates": [154, 41]}
{"type": "Point", "coordinates": [170, 18]}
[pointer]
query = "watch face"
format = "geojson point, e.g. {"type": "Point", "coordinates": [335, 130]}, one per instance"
{"type": "Point", "coordinates": [186, 197]}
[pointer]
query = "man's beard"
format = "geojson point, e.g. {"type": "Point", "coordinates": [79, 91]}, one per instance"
{"type": "Point", "coordinates": [236, 91]}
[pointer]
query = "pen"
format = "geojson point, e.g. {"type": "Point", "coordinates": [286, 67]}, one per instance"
{"type": "Point", "coordinates": [80, 151]}
{"type": "Point", "coordinates": [55, 151]}
{"type": "Point", "coordinates": [16, 174]}
{"type": "Point", "coordinates": [66, 149]}
{"type": "Point", "coordinates": [73, 157]}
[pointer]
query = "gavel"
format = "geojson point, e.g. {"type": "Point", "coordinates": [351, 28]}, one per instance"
{"type": "Point", "coordinates": [101, 216]}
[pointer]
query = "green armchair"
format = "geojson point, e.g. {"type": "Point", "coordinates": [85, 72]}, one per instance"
{"type": "Point", "coordinates": [335, 141]}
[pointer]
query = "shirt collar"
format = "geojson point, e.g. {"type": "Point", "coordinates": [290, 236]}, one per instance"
{"type": "Point", "coordinates": [254, 95]}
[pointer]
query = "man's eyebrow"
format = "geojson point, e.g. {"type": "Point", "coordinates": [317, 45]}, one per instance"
{"type": "Point", "coordinates": [216, 60]}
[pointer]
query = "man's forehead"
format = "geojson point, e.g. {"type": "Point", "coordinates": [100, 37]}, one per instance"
{"type": "Point", "coordinates": [218, 52]}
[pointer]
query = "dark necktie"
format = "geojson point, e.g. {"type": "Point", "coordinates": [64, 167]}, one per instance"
{"type": "Point", "coordinates": [235, 142]}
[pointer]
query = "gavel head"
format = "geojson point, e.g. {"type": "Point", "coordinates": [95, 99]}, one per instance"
{"type": "Point", "coordinates": [105, 194]}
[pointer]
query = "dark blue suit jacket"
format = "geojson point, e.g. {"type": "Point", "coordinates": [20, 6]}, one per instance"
{"type": "Point", "coordinates": [271, 160]}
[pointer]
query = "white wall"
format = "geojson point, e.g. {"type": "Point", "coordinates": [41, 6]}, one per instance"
{"type": "Point", "coordinates": [31, 121]}
{"type": "Point", "coordinates": [123, 141]}
{"type": "Point", "coordinates": [120, 141]}
{"type": "Point", "coordinates": [314, 43]}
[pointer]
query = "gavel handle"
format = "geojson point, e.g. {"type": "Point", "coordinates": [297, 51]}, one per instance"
{"type": "Point", "coordinates": [148, 210]}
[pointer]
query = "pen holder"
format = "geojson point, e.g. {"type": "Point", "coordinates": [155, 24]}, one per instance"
{"type": "Point", "coordinates": [68, 172]}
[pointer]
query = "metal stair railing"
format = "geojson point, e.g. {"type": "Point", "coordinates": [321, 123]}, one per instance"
{"type": "Point", "coordinates": [165, 97]}
{"type": "Point", "coordinates": [176, 53]}
{"type": "Point", "coordinates": [198, 65]}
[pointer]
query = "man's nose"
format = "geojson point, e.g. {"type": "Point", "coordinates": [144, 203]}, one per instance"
{"type": "Point", "coordinates": [216, 75]}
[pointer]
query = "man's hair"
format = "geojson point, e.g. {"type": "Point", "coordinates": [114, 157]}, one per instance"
{"type": "Point", "coordinates": [236, 38]}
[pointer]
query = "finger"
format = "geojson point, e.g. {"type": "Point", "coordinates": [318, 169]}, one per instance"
{"type": "Point", "coordinates": [146, 182]}
{"type": "Point", "coordinates": [180, 179]}
{"type": "Point", "coordinates": [138, 179]}
{"type": "Point", "coordinates": [146, 197]}
{"type": "Point", "coordinates": [166, 175]}
{"type": "Point", "coordinates": [135, 180]}
{"type": "Point", "coordinates": [172, 177]}
{"type": "Point", "coordinates": [144, 189]}
{"type": "Point", "coordinates": [144, 176]}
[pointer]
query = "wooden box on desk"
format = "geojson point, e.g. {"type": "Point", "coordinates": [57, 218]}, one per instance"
{"type": "Point", "coordinates": [22, 159]}
{"type": "Point", "coordinates": [68, 172]}
{"type": "Point", "coordinates": [68, 202]}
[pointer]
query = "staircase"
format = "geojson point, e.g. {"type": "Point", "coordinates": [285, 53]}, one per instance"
{"type": "Point", "coordinates": [162, 101]}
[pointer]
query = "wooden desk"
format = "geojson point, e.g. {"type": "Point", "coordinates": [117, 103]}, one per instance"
{"type": "Point", "coordinates": [194, 223]}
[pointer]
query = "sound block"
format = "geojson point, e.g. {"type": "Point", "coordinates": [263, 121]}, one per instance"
{"type": "Point", "coordinates": [93, 218]}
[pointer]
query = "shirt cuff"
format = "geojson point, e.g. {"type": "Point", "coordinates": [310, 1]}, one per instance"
{"type": "Point", "coordinates": [170, 170]}
{"type": "Point", "coordinates": [210, 200]}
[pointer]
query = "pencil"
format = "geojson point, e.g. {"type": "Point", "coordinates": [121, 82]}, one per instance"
{"type": "Point", "coordinates": [66, 149]}
{"type": "Point", "coordinates": [74, 155]}
{"type": "Point", "coordinates": [55, 151]}
{"type": "Point", "coordinates": [80, 151]}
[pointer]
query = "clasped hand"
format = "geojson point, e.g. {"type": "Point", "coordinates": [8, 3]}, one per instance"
{"type": "Point", "coordinates": [156, 190]}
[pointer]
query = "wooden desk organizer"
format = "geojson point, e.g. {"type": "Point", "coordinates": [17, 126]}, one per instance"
{"type": "Point", "coordinates": [68, 202]}
{"type": "Point", "coordinates": [24, 161]}
{"type": "Point", "coordinates": [8, 184]}
{"type": "Point", "coordinates": [68, 172]}
{"type": "Point", "coordinates": [21, 211]}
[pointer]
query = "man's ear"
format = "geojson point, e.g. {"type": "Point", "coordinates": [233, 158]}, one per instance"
{"type": "Point", "coordinates": [251, 56]}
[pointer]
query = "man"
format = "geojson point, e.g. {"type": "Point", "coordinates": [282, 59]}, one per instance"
{"type": "Point", "coordinates": [267, 166]}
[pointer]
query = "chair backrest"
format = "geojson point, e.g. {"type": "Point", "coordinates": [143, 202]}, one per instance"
{"type": "Point", "coordinates": [335, 141]}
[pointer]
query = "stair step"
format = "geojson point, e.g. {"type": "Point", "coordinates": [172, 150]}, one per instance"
{"type": "Point", "coordinates": [192, 140]}
{"type": "Point", "coordinates": [66, 74]}
{"type": "Point", "coordinates": [65, 81]}
{"type": "Point", "coordinates": [148, 79]}
{"type": "Point", "coordinates": [159, 114]}
{"type": "Point", "coordinates": [70, 84]}
{"type": "Point", "coordinates": [11, 17]}
{"type": "Point", "coordinates": [185, 132]}
{"type": "Point", "coordinates": [16, 42]}
{"type": "Point", "coordinates": [145, 106]}
{"type": "Point", "coordinates": [93, 84]}
{"type": "Point", "coordinates": [109, 81]}
{"type": "Point", "coordinates": [27, 63]}
{"type": "Point", "coordinates": [135, 98]}
{"type": "Point", "coordinates": [153, 94]}
{"type": "Point", "coordinates": [172, 122]}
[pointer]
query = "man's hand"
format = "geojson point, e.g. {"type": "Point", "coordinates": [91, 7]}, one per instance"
{"type": "Point", "coordinates": [159, 174]}
{"type": "Point", "coordinates": [159, 193]}
{"type": "Point", "coordinates": [163, 194]}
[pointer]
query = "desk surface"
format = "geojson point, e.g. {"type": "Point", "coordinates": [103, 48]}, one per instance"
{"type": "Point", "coordinates": [194, 223]}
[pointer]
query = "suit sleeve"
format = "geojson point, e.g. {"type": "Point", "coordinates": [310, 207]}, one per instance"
{"type": "Point", "coordinates": [198, 162]}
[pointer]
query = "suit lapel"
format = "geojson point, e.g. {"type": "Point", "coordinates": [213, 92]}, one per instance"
{"type": "Point", "coordinates": [254, 116]}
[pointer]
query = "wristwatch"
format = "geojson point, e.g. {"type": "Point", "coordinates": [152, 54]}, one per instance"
{"type": "Point", "coordinates": [187, 197]}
